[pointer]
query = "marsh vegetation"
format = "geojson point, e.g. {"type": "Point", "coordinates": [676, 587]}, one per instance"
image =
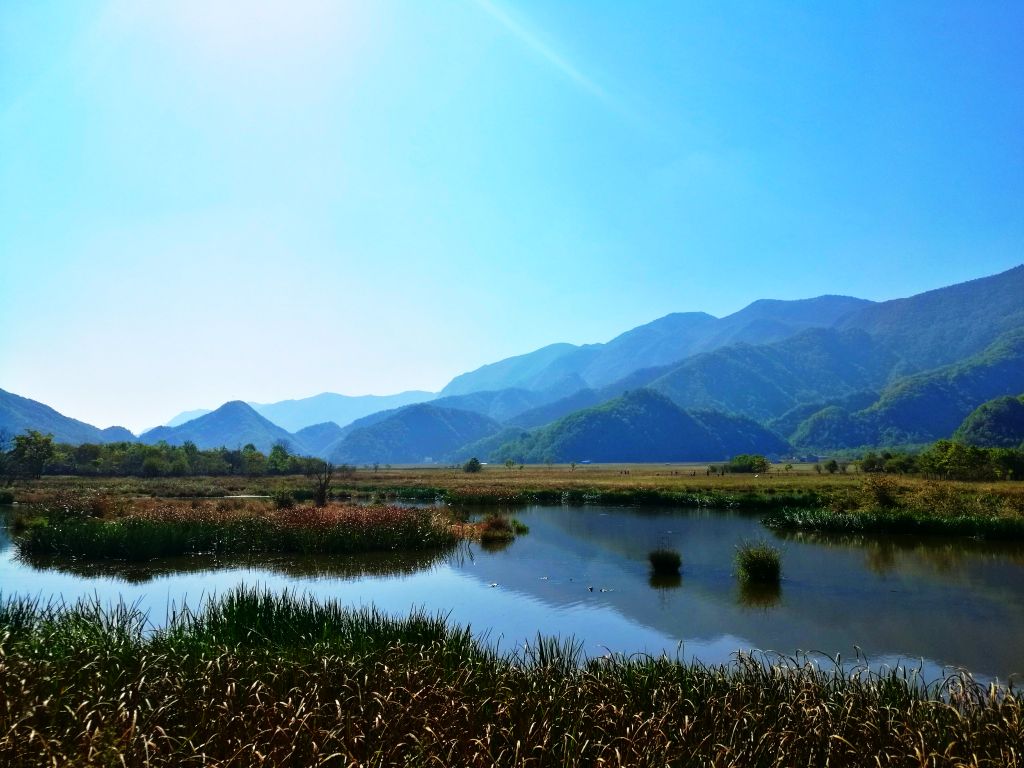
{"type": "Point", "coordinates": [257, 678]}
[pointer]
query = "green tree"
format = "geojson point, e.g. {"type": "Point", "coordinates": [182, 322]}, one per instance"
{"type": "Point", "coordinates": [473, 465]}
{"type": "Point", "coordinates": [31, 452]}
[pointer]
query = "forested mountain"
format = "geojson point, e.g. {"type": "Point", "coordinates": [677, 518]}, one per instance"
{"type": "Point", "coordinates": [234, 424]}
{"type": "Point", "coordinates": [641, 426]}
{"type": "Point", "coordinates": [999, 423]}
{"type": "Point", "coordinates": [764, 382]}
{"type": "Point", "coordinates": [948, 324]}
{"type": "Point", "coordinates": [18, 414]}
{"type": "Point", "coordinates": [415, 434]}
{"type": "Point", "coordinates": [924, 407]}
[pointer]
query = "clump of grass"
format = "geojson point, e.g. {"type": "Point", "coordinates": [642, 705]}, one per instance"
{"type": "Point", "coordinates": [499, 528]}
{"type": "Point", "coordinates": [664, 561]}
{"type": "Point", "coordinates": [256, 678]}
{"type": "Point", "coordinates": [758, 563]}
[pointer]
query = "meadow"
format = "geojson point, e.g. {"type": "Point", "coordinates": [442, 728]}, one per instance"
{"type": "Point", "coordinates": [256, 678]}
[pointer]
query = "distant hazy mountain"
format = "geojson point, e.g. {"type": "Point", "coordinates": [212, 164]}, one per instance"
{"type": "Point", "coordinates": [998, 423]}
{"type": "Point", "coordinates": [328, 406]}
{"type": "Point", "coordinates": [186, 416]}
{"type": "Point", "coordinates": [545, 414]}
{"type": "Point", "coordinates": [316, 439]}
{"type": "Point", "coordinates": [641, 426]}
{"type": "Point", "coordinates": [18, 414]}
{"type": "Point", "coordinates": [233, 425]}
{"type": "Point", "coordinates": [523, 371]}
{"type": "Point", "coordinates": [666, 340]}
{"type": "Point", "coordinates": [413, 435]}
{"type": "Point", "coordinates": [923, 407]}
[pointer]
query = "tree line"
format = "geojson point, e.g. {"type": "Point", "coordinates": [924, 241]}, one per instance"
{"type": "Point", "coordinates": [32, 454]}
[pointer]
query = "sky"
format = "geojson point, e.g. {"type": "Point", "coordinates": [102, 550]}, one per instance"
{"type": "Point", "coordinates": [206, 201]}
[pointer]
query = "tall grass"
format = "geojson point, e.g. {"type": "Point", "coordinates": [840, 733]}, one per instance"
{"type": "Point", "coordinates": [180, 529]}
{"type": "Point", "coordinates": [282, 680]}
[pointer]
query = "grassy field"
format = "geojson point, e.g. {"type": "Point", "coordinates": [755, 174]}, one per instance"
{"type": "Point", "coordinates": [277, 680]}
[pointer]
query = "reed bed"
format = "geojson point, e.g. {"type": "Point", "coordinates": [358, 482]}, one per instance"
{"type": "Point", "coordinates": [257, 679]}
{"type": "Point", "coordinates": [168, 529]}
{"type": "Point", "coordinates": [898, 522]}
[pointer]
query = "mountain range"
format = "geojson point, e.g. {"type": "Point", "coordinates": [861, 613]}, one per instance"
{"type": "Point", "coordinates": [821, 374]}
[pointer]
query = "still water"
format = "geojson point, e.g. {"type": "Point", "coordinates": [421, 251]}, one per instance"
{"type": "Point", "coordinates": [583, 572]}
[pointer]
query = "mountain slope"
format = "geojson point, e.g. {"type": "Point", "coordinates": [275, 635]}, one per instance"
{"type": "Point", "coordinates": [641, 426]}
{"type": "Point", "coordinates": [233, 425]}
{"type": "Point", "coordinates": [18, 414]}
{"type": "Point", "coordinates": [948, 324]}
{"type": "Point", "coordinates": [924, 407]}
{"type": "Point", "coordinates": [519, 371]}
{"type": "Point", "coordinates": [545, 414]}
{"type": "Point", "coordinates": [998, 423]}
{"type": "Point", "coordinates": [665, 340]}
{"type": "Point", "coordinates": [764, 382]}
{"type": "Point", "coordinates": [416, 434]}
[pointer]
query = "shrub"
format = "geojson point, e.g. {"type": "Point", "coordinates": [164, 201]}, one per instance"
{"type": "Point", "coordinates": [758, 562]}
{"type": "Point", "coordinates": [6, 497]}
{"type": "Point", "coordinates": [665, 561]}
{"type": "Point", "coordinates": [283, 499]}
{"type": "Point", "coordinates": [473, 465]}
{"type": "Point", "coordinates": [746, 462]}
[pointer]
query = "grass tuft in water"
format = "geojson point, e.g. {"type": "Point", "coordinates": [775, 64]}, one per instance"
{"type": "Point", "coordinates": [758, 563]}
{"type": "Point", "coordinates": [665, 562]}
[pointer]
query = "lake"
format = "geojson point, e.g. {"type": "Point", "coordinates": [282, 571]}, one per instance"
{"type": "Point", "coordinates": [583, 572]}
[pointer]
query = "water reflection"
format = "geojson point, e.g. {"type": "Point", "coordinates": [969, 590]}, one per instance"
{"type": "Point", "coordinates": [665, 580]}
{"type": "Point", "coordinates": [367, 565]}
{"type": "Point", "coordinates": [886, 555]}
{"type": "Point", "coordinates": [759, 596]}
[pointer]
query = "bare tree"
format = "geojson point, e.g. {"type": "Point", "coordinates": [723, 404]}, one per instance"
{"type": "Point", "coordinates": [321, 474]}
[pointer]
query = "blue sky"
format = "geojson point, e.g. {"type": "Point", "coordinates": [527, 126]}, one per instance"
{"type": "Point", "coordinates": [262, 200]}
